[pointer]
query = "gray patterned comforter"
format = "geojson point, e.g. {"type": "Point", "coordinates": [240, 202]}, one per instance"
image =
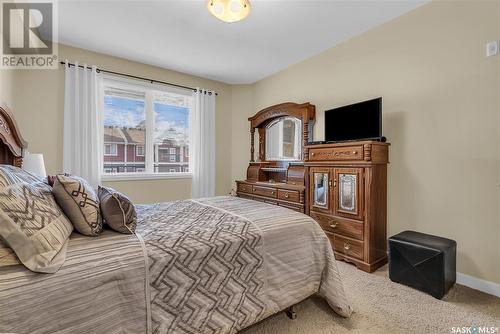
{"type": "Point", "coordinates": [214, 265]}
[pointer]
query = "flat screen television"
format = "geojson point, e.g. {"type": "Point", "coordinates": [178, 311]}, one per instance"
{"type": "Point", "coordinates": [357, 121]}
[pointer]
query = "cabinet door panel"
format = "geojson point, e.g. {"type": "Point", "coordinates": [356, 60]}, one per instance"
{"type": "Point", "coordinates": [320, 185]}
{"type": "Point", "coordinates": [348, 193]}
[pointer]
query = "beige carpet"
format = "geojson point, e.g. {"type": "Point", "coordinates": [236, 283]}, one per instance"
{"type": "Point", "coordinates": [381, 306]}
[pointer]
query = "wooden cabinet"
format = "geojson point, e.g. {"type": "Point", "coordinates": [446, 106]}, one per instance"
{"type": "Point", "coordinates": [347, 196]}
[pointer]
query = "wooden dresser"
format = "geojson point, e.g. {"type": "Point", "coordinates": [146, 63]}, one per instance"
{"type": "Point", "coordinates": [287, 188]}
{"type": "Point", "coordinates": [279, 176]}
{"type": "Point", "coordinates": [347, 196]}
{"type": "Point", "coordinates": [343, 186]}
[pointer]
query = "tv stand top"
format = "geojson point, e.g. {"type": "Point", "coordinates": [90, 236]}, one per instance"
{"type": "Point", "coordinates": [358, 152]}
{"type": "Point", "coordinates": [349, 141]}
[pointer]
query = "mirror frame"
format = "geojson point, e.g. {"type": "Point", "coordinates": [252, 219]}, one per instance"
{"type": "Point", "coordinates": [305, 112]}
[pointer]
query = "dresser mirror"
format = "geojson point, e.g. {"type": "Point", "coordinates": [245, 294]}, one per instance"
{"type": "Point", "coordinates": [284, 139]}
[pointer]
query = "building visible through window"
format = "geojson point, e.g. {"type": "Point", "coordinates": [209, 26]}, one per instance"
{"type": "Point", "coordinates": [146, 130]}
{"type": "Point", "coordinates": [110, 149]}
{"type": "Point", "coordinates": [140, 150]}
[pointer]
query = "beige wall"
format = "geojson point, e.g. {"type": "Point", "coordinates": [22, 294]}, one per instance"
{"type": "Point", "coordinates": [242, 107]}
{"type": "Point", "coordinates": [37, 100]}
{"type": "Point", "coordinates": [441, 115]}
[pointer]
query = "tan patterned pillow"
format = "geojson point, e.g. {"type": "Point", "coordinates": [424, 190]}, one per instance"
{"type": "Point", "coordinates": [117, 210]}
{"type": "Point", "coordinates": [79, 202]}
{"type": "Point", "coordinates": [31, 223]}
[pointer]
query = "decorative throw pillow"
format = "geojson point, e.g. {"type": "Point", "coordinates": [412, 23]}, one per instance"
{"type": "Point", "coordinates": [31, 223]}
{"type": "Point", "coordinates": [117, 210]}
{"type": "Point", "coordinates": [79, 202]}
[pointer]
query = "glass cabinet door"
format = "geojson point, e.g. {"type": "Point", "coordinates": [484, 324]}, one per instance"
{"type": "Point", "coordinates": [348, 184]}
{"type": "Point", "coordinates": [320, 181]}
{"type": "Point", "coordinates": [321, 189]}
{"type": "Point", "coordinates": [347, 192]}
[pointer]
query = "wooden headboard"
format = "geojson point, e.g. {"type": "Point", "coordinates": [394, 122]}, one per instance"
{"type": "Point", "coordinates": [12, 145]}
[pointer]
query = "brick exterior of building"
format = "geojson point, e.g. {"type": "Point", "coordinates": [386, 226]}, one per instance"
{"type": "Point", "coordinates": [125, 151]}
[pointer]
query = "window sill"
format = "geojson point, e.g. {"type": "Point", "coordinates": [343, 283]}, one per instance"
{"type": "Point", "coordinates": [143, 176]}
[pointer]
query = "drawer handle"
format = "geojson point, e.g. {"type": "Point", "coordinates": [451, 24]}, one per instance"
{"type": "Point", "coordinates": [272, 192]}
{"type": "Point", "coordinates": [354, 152]}
{"type": "Point", "coordinates": [333, 224]}
{"type": "Point", "coordinates": [312, 154]}
{"type": "Point", "coordinates": [347, 246]}
{"type": "Point", "coordinates": [254, 190]}
{"type": "Point", "coordinates": [286, 195]}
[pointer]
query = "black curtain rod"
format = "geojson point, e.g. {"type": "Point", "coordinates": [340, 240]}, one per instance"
{"type": "Point", "coordinates": [137, 77]}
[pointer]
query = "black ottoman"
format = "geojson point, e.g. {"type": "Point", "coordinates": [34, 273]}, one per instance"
{"type": "Point", "coordinates": [422, 261]}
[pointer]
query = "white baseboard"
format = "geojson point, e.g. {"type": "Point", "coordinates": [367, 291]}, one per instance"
{"type": "Point", "coordinates": [479, 284]}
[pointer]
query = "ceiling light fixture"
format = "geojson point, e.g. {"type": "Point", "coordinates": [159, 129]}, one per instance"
{"type": "Point", "coordinates": [229, 10]}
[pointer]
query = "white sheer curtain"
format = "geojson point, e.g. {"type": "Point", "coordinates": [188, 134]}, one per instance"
{"type": "Point", "coordinates": [82, 152]}
{"type": "Point", "coordinates": [202, 142]}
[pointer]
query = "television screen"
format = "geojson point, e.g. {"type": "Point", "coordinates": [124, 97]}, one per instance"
{"type": "Point", "coordinates": [361, 120]}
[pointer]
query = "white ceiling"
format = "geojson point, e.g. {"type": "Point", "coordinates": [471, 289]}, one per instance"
{"type": "Point", "coordinates": [184, 36]}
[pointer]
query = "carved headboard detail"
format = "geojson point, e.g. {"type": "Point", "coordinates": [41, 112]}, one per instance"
{"type": "Point", "coordinates": [12, 146]}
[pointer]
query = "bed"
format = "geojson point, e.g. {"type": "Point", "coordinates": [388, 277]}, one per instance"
{"type": "Point", "coordinates": [211, 265]}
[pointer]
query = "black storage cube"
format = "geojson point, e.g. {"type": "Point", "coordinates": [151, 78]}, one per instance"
{"type": "Point", "coordinates": [422, 261]}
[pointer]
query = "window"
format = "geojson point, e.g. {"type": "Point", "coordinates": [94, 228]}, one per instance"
{"type": "Point", "coordinates": [146, 128]}
{"type": "Point", "coordinates": [140, 150]}
{"type": "Point", "coordinates": [111, 149]}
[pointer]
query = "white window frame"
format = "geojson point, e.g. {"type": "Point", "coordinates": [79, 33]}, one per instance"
{"type": "Point", "coordinates": [125, 83]}
{"type": "Point", "coordinates": [111, 154]}
{"type": "Point", "coordinates": [137, 150]}
{"type": "Point", "coordinates": [172, 150]}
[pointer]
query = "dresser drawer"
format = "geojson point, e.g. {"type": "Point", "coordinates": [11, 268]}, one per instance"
{"type": "Point", "coordinates": [348, 247]}
{"type": "Point", "coordinates": [298, 208]}
{"type": "Point", "coordinates": [352, 229]}
{"type": "Point", "coordinates": [245, 196]}
{"type": "Point", "coordinates": [354, 152]}
{"type": "Point", "coordinates": [264, 191]}
{"type": "Point", "coordinates": [245, 188]}
{"type": "Point", "coordinates": [289, 195]}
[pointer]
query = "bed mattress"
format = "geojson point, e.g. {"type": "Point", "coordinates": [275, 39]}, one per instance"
{"type": "Point", "coordinates": [213, 265]}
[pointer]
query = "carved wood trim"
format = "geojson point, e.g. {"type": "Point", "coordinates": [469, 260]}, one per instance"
{"type": "Point", "coordinates": [13, 145]}
{"type": "Point", "coordinates": [252, 144]}
{"type": "Point", "coordinates": [306, 112]}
